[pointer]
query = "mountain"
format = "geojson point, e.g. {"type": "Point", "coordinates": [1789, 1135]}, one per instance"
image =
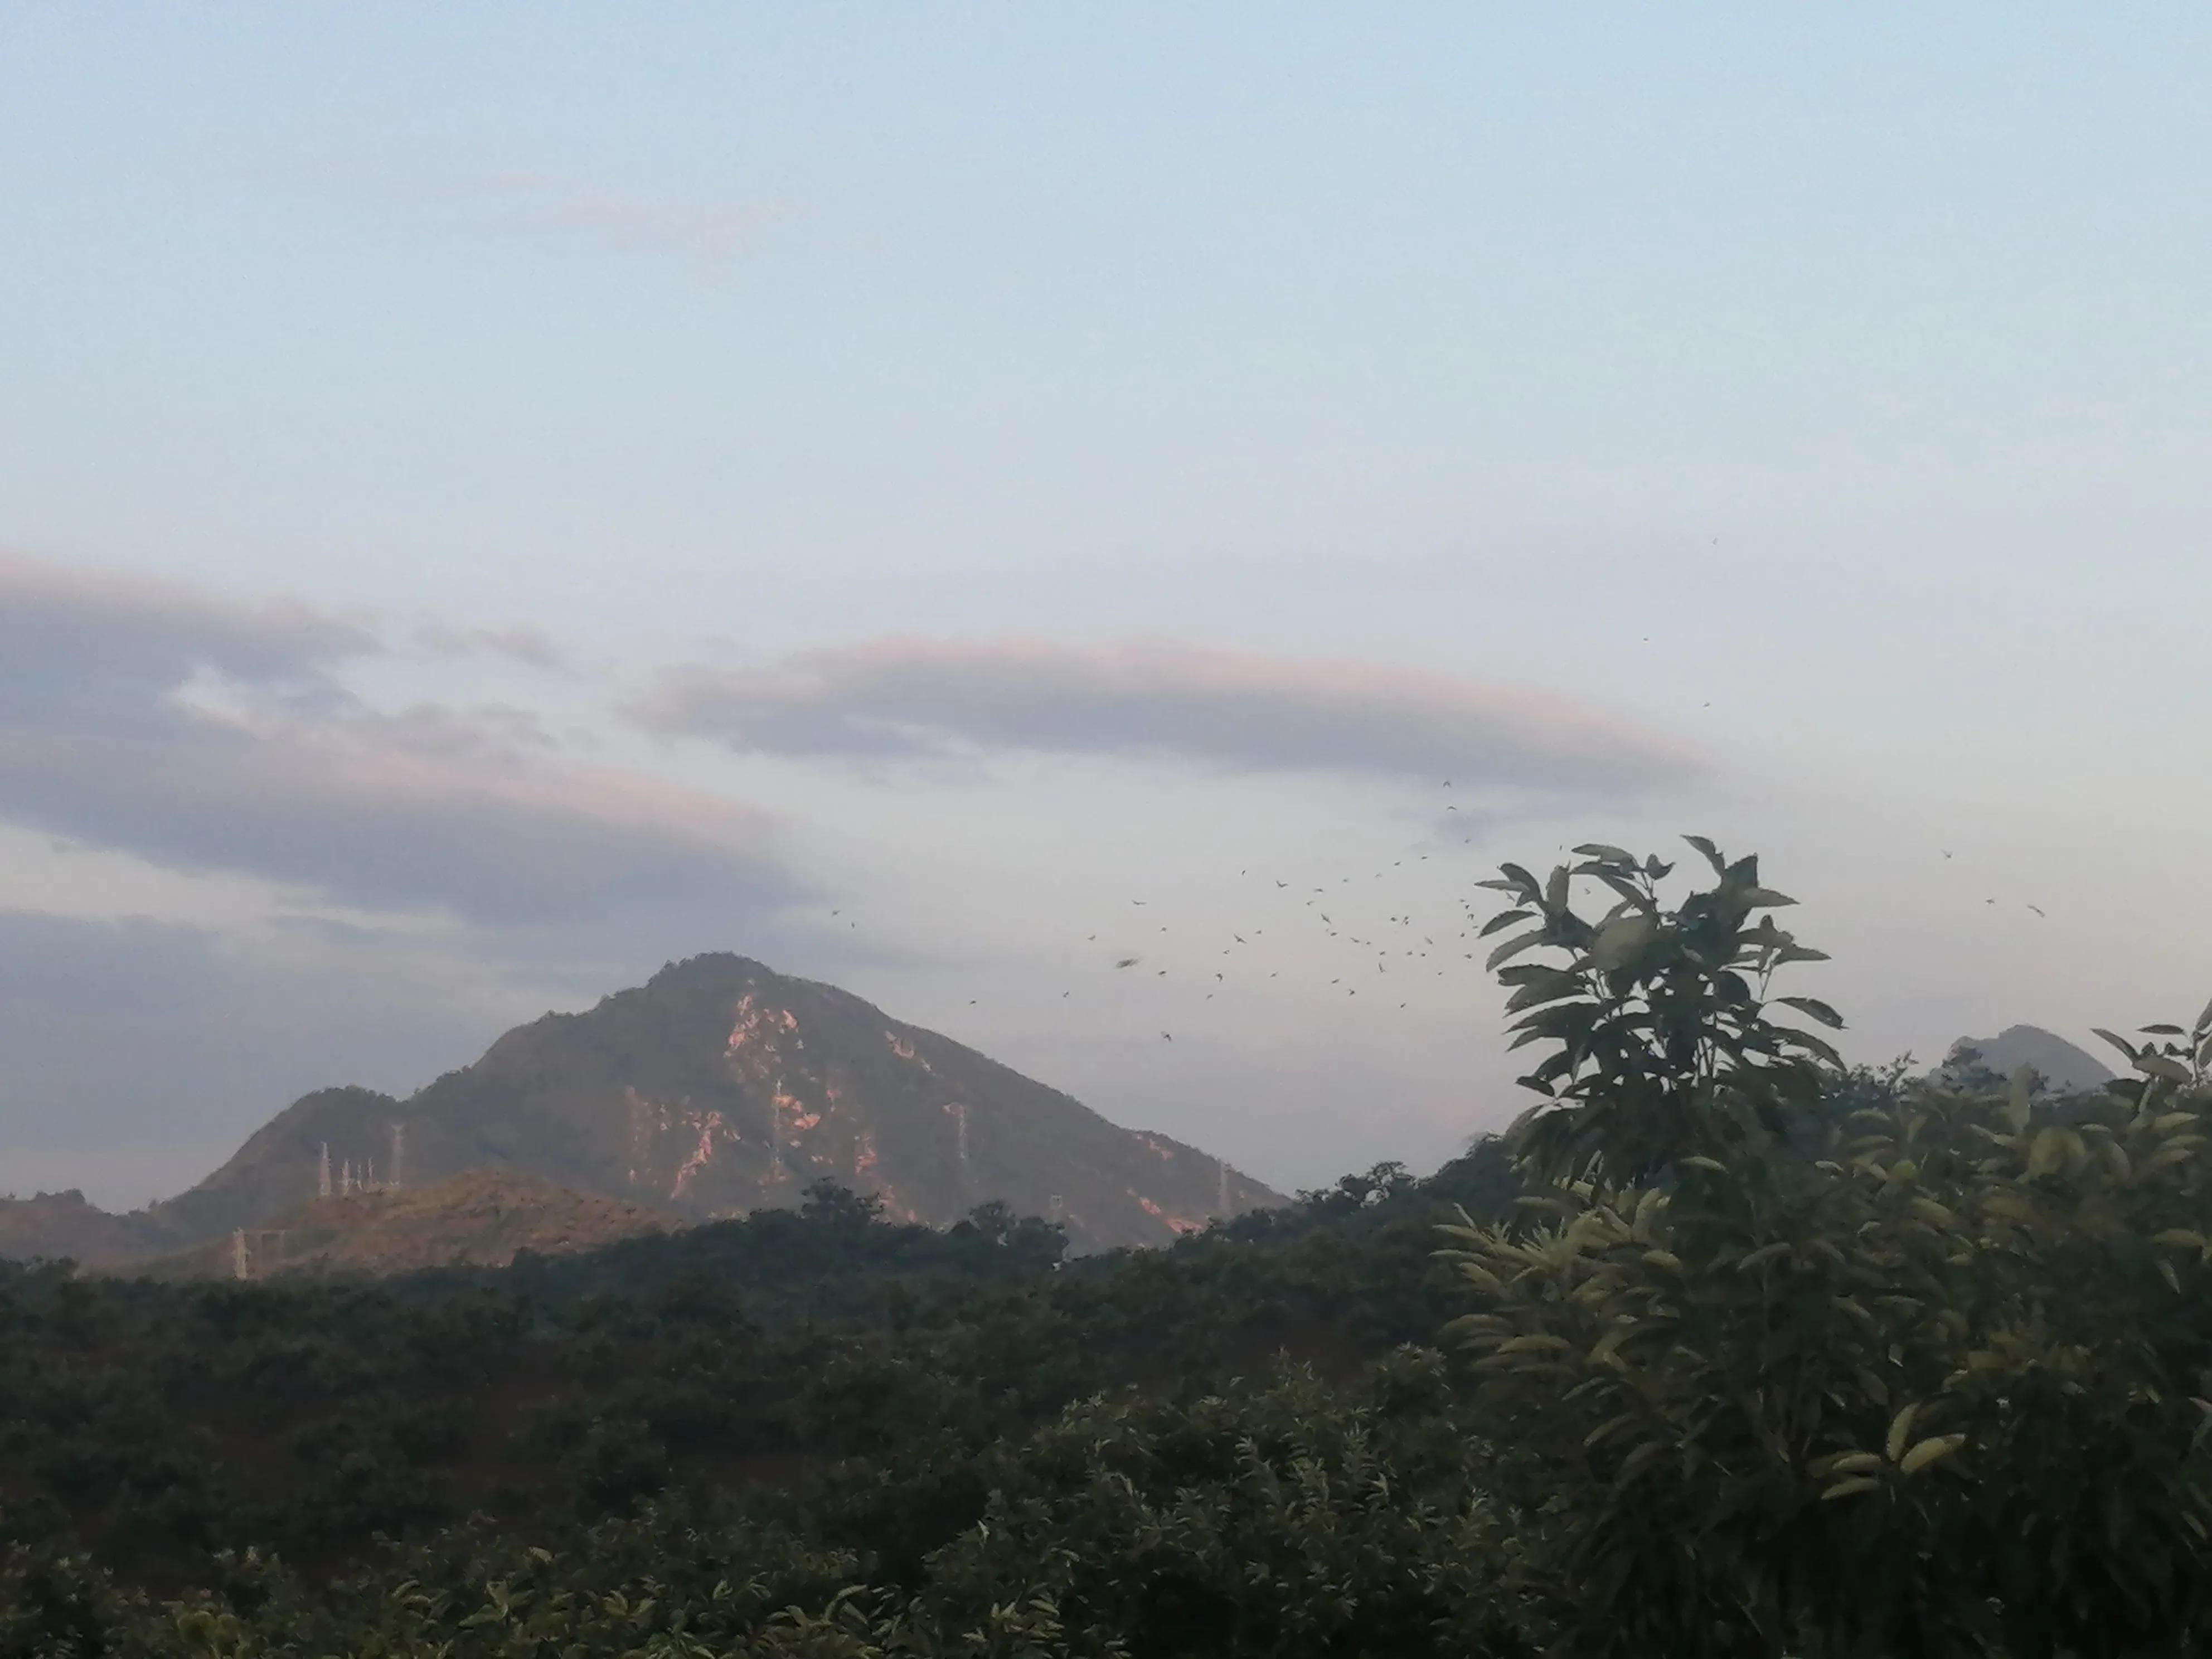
{"type": "Point", "coordinates": [479, 1219]}
{"type": "Point", "coordinates": [2063, 1066]}
{"type": "Point", "coordinates": [717, 1088]}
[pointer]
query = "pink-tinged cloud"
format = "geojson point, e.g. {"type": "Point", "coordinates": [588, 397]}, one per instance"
{"type": "Point", "coordinates": [1240, 710]}
{"type": "Point", "coordinates": [470, 811]}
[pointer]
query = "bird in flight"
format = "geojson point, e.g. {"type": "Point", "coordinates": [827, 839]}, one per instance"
{"type": "Point", "coordinates": [1128, 962]}
{"type": "Point", "coordinates": [1946, 852]}
{"type": "Point", "coordinates": [1168, 1036]}
{"type": "Point", "coordinates": [2039, 911]}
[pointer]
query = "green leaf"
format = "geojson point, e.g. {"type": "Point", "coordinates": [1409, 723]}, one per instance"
{"type": "Point", "coordinates": [1598, 850]}
{"type": "Point", "coordinates": [1712, 853]}
{"type": "Point", "coordinates": [2046, 1153]}
{"type": "Point", "coordinates": [1933, 1214]}
{"type": "Point", "coordinates": [1555, 890]}
{"type": "Point", "coordinates": [1504, 919]}
{"type": "Point", "coordinates": [1514, 946]}
{"type": "Point", "coordinates": [1852, 1463]}
{"type": "Point", "coordinates": [1794, 952]}
{"type": "Point", "coordinates": [2119, 1042]}
{"type": "Point", "coordinates": [2158, 1066]}
{"type": "Point", "coordinates": [1812, 1007]}
{"type": "Point", "coordinates": [1522, 882]}
{"type": "Point", "coordinates": [1899, 1427]}
{"type": "Point", "coordinates": [1846, 1488]}
{"type": "Point", "coordinates": [1622, 939]}
{"type": "Point", "coordinates": [1931, 1450]}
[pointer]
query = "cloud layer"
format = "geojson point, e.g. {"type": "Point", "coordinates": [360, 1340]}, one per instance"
{"type": "Point", "coordinates": [205, 735]}
{"type": "Point", "coordinates": [1243, 711]}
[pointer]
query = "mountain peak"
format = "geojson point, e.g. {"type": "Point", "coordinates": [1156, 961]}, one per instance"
{"type": "Point", "coordinates": [2062, 1065]}
{"type": "Point", "coordinates": [719, 1087]}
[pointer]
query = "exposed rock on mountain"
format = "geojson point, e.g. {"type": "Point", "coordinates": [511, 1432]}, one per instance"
{"type": "Point", "coordinates": [718, 1088]}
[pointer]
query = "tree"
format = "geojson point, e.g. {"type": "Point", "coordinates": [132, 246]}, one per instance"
{"type": "Point", "coordinates": [1662, 1045]}
{"type": "Point", "coordinates": [831, 1203]}
{"type": "Point", "coordinates": [1839, 1363]}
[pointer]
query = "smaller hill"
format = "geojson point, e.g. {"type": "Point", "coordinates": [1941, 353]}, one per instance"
{"type": "Point", "coordinates": [66, 1224]}
{"type": "Point", "coordinates": [479, 1218]}
{"type": "Point", "coordinates": [2062, 1067]}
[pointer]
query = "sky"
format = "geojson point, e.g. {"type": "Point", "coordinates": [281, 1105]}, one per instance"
{"type": "Point", "coordinates": [943, 499]}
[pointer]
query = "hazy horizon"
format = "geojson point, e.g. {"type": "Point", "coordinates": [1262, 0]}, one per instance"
{"type": "Point", "coordinates": [493, 501]}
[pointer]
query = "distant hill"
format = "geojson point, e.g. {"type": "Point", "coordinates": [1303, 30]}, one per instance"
{"type": "Point", "coordinates": [66, 1224]}
{"type": "Point", "coordinates": [479, 1220]}
{"type": "Point", "coordinates": [2063, 1066]}
{"type": "Point", "coordinates": [718, 1088]}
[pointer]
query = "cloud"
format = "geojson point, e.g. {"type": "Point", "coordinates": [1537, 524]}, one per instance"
{"type": "Point", "coordinates": [1239, 710]}
{"type": "Point", "coordinates": [87, 651]}
{"type": "Point", "coordinates": [205, 735]}
{"type": "Point", "coordinates": [526, 645]}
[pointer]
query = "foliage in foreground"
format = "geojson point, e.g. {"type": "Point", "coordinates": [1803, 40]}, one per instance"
{"type": "Point", "coordinates": [1926, 1373]}
{"type": "Point", "coordinates": [1289, 1519]}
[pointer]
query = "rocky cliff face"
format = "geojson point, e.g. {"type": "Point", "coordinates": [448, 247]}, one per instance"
{"type": "Point", "coordinates": [721, 1087]}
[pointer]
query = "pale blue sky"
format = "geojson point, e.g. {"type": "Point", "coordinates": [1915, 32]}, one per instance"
{"type": "Point", "coordinates": [1816, 399]}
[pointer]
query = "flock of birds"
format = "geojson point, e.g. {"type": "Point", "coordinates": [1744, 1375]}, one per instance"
{"type": "Point", "coordinates": [1340, 917]}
